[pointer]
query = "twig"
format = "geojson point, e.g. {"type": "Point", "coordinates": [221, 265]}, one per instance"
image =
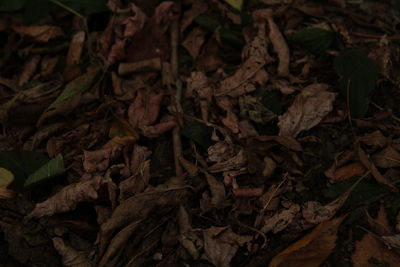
{"type": "Point", "coordinates": [176, 96]}
{"type": "Point", "coordinates": [348, 110]}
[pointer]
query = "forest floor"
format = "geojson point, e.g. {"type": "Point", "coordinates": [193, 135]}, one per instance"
{"type": "Point", "coordinates": [199, 133]}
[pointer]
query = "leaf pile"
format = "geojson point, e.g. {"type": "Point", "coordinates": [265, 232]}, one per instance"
{"type": "Point", "coordinates": [188, 133]}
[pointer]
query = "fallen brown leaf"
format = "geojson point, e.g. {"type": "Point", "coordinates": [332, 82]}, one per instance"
{"type": "Point", "coordinates": [307, 110]}
{"type": "Point", "coordinates": [312, 249]}
{"type": "Point", "coordinates": [221, 244]}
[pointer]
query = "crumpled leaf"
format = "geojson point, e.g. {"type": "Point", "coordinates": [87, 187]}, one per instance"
{"type": "Point", "coordinates": [372, 245]}
{"type": "Point", "coordinates": [312, 249]}
{"type": "Point", "coordinates": [69, 196]}
{"type": "Point", "coordinates": [41, 33]}
{"type": "Point", "coordinates": [240, 83]}
{"type": "Point", "coordinates": [217, 190]}
{"type": "Point", "coordinates": [99, 160]}
{"type": "Point", "coordinates": [307, 110]}
{"type": "Point", "coordinates": [144, 110]}
{"type": "Point", "coordinates": [221, 244]}
{"type": "Point", "coordinates": [387, 158]}
{"type": "Point", "coordinates": [315, 213]}
{"type": "Point", "coordinates": [194, 41]}
{"type": "Point", "coordinates": [374, 139]}
{"type": "Point", "coordinates": [280, 220]}
{"type": "Point", "coordinates": [70, 256]}
{"type": "Point", "coordinates": [233, 163]}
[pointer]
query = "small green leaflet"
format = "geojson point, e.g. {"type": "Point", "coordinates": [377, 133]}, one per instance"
{"type": "Point", "coordinates": [52, 168]}
{"type": "Point", "coordinates": [315, 40]}
{"type": "Point", "coordinates": [354, 66]}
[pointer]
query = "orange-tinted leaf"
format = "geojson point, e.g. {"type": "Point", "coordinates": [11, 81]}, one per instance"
{"type": "Point", "coordinates": [348, 171]}
{"type": "Point", "coordinates": [312, 249]}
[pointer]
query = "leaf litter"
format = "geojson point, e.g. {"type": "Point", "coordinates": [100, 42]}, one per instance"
{"type": "Point", "coordinates": [192, 135]}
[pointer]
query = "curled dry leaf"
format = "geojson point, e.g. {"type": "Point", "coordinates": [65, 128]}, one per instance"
{"type": "Point", "coordinates": [314, 212]}
{"type": "Point", "coordinates": [280, 220]}
{"type": "Point", "coordinates": [41, 34]}
{"type": "Point", "coordinates": [134, 211]}
{"type": "Point", "coordinates": [373, 244]}
{"type": "Point", "coordinates": [217, 190]}
{"type": "Point", "coordinates": [387, 158]}
{"type": "Point", "coordinates": [364, 159]}
{"type": "Point", "coordinates": [349, 171]}
{"type": "Point", "coordinates": [233, 163]}
{"type": "Point", "coordinates": [157, 130]}
{"type": "Point", "coordinates": [269, 167]}
{"type": "Point", "coordinates": [374, 139]}
{"type": "Point", "coordinates": [240, 82]}
{"type": "Point", "coordinates": [308, 109]}
{"type": "Point", "coordinates": [221, 244]}
{"type": "Point", "coordinates": [194, 41]}
{"type": "Point", "coordinates": [144, 110]}
{"type": "Point", "coordinates": [99, 160]}
{"type": "Point", "coordinates": [68, 197]}
{"type": "Point", "coordinates": [29, 69]}
{"type": "Point", "coordinates": [70, 256]}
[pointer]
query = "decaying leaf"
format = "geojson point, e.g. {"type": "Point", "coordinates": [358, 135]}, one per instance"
{"type": "Point", "coordinates": [40, 33]}
{"type": "Point", "coordinates": [280, 220]}
{"type": "Point", "coordinates": [221, 244]}
{"type": "Point", "coordinates": [70, 256]}
{"type": "Point", "coordinates": [312, 249]}
{"type": "Point", "coordinates": [371, 247]}
{"type": "Point", "coordinates": [68, 197]}
{"type": "Point", "coordinates": [307, 110]}
{"type": "Point", "coordinates": [314, 212]}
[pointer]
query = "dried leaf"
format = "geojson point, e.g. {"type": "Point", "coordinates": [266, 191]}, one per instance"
{"type": "Point", "coordinates": [312, 249]}
{"type": "Point", "coordinates": [68, 197]}
{"type": "Point", "coordinates": [217, 190]}
{"type": "Point", "coordinates": [387, 158]}
{"type": "Point", "coordinates": [70, 256]}
{"type": "Point", "coordinates": [348, 171]}
{"type": "Point", "coordinates": [194, 41]}
{"type": "Point", "coordinates": [280, 220]}
{"type": "Point", "coordinates": [221, 244]}
{"type": "Point", "coordinates": [40, 33]}
{"type": "Point", "coordinates": [308, 109]}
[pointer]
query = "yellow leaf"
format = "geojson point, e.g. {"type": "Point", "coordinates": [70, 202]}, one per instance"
{"type": "Point", "coordinates": [6, 178]}
{"type": "Point", "coordinates": [237, 4]}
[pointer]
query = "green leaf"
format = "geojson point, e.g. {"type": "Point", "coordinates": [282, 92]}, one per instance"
{"type": "Point", "coordinates": [231, 36]}
{"type": "Point", "coordinates": [355, 67]}
{"type": "Point", "coordinates": [21, 164]}
{"type": "Point", "coordinates": [52, 168]}
{"type": "Point", "coordinates": [237, 4]}
{"type": "Point", "coordinates": [37, 9]}
{"type": "Point", "coordinates": [10, 6]}
{"type": "Point", "coordinates": [315, 40]}
{"type": "Point", "coordinates": [87, 7]}
{"type": "Point", "coordinates": [199, 133]}
{"type": "Point", "coordinates": [207, 21]}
